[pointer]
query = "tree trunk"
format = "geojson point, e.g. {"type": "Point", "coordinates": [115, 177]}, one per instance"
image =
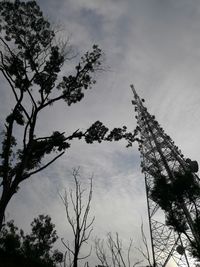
{"type": "Point", "coordinates": [2, 211]}
{"type": "Point", "coordinates": [5, 198]}
{"type": "Point", "coordinates": [1, 218]}
{"type": "Point", "coordinates": [75, 264]}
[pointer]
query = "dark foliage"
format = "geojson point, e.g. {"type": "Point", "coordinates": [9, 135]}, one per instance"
{"type": "Point", "coordinates": [33, 249]}
{"type": "Point", "coordinates": [31, 63]}
{"type": "Point", "coordinates": [172, 196]}
{"type": "Point", "coordinates": [183, 187]}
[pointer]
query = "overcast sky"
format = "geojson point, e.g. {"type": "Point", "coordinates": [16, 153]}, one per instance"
{"type": "Point", "coordinates": [155, 45]}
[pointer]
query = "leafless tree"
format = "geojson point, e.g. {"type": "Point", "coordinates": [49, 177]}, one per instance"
{"type": "Point", "coordinates": [144, 250]}
{"type": "Point", "coordinates": [77, 211]}
{"type": "Point", "coordinates": [112, 254]}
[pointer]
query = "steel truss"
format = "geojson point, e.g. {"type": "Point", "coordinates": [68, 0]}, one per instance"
{"type": "Point", "coordinates": [160, 155]}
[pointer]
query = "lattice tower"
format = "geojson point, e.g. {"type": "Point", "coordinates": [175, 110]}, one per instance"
{"type": "Point", "coordinates": [160, 156]}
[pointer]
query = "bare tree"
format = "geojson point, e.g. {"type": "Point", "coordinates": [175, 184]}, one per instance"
{"type": "Point", "coordinates": [144, 250]}
{"type": "Point", "coordinates": [77, 211]}
{"type": "Point", "coordinates": [112, 254]}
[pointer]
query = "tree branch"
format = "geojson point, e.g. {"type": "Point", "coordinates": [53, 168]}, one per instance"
{"type": "Point", "coordinates": [43, 167]}
{"type": "Point", "coordinates": [67, 247]}
{"type": "Point", "coordinates": [79, 222]}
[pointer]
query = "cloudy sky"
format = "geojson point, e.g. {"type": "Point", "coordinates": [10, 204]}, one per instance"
{"type": "Point", "coordinates": [153, 44]}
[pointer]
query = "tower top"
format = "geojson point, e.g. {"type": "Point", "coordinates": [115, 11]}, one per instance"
{"type": "Point", "coordinates": [134, 91]}
{"type": "Point", "coordinates": [137, 100]}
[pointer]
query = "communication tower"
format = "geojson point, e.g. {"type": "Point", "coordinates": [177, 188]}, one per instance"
{"type": "Point", "coordinates": [165, 167]}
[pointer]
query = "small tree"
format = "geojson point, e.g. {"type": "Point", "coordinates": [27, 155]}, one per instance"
{"type": "Point", "coordinates": [39, 242]}
{"type": "Point", "coordinates": [77, 211]}
{"type": "Point", "coordinates": [34, 249]}
{"type": "Point", "coordinates": [111, 252]}
{"type": "Point", "coordinates": [30, 63]}
{"type": "Point", "coordinates": [10, 239]}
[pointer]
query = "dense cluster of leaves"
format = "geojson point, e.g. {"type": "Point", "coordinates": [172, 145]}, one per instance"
{"type": "Point", "coordinates": [172, 196]}
{"type": "Point", "coordinates": [31, 62]}
{"type": "Point", "coordinates": [182, 188]}
{"type": "Point", "coordinates": [98, 132]}
{"type": "Point", "coordinates": [33, 249]}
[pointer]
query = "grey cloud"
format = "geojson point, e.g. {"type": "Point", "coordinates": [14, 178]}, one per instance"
{"type": "Point", "coordinates": [153, 44]}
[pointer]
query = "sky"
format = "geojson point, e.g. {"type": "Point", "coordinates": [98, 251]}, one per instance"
{"type": "Point", "coordinates": [153, 44]}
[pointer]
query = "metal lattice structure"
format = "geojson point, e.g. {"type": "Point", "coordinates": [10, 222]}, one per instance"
{"type": "Point", "coordinates": [159, 155]}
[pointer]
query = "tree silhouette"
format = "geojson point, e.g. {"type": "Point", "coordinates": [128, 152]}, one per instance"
{"type": "Point", "coordinates": [34, 249]}
{"type": "Point", "coordinates": [10, 239]}
{"type": "Point", "coordinates": [111, 253]}
{"type": "Point", "coordinates": [77, 211]}
{"type": "Point", "coordinates": [41, 239]}
{"type": "Point", "coordinates": [31, 62]}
